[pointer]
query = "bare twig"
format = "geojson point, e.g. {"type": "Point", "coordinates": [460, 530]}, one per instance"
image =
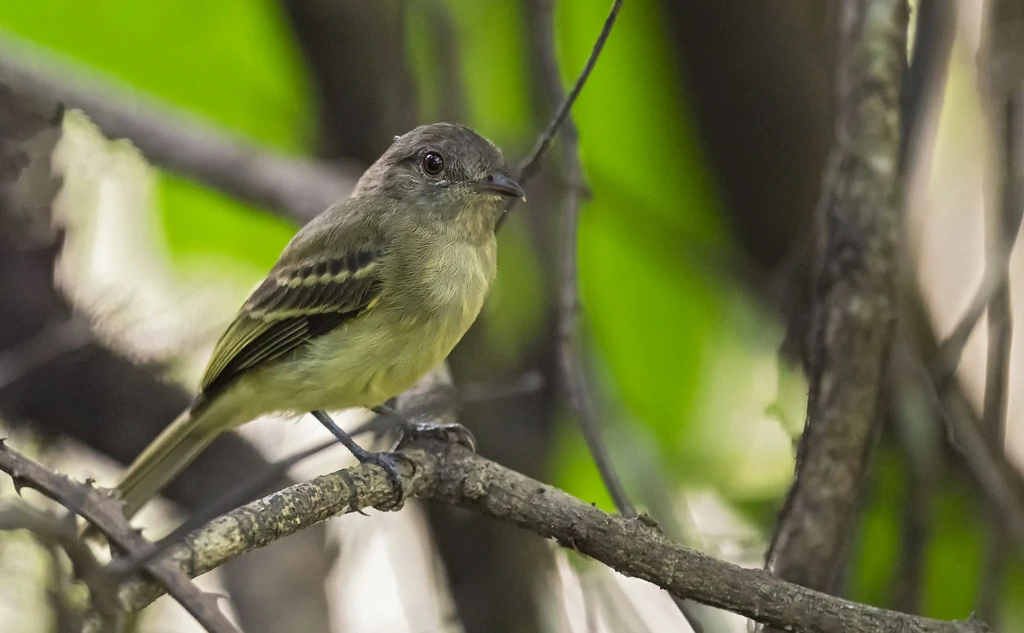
{"type": "Point", "coordinates": [854, 299]}
{"type": "Point", "coordinates": [951, 348]}
{"type": "Point", "coordinates": [998, 478]}
{"type": "Point", "coordinates": [105, 513]}
{"type": "Point", "coordinates": [574, 381]}
{"type": "Point", "coordinates": [919, 439]}
{"type": "Point", "coordinates": [573, 376]}
{"type": "Point", "coordinates": [528, 166]}
{"type": "Point", "coordinates": [1007, 116]}
{"type": "Point", "coordinates": [293, 188]}
{"type": "Point", "coordinates": [934, 32]}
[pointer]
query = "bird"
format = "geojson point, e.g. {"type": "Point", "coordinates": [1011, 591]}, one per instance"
{"type": "Point", "coordinates": [366, 298]}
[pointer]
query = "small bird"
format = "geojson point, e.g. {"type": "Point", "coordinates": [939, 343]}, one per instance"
{"type": "Point", "coordinates": [364, 301]}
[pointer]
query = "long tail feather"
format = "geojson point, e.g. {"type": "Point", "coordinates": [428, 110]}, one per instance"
{"type": "Point", "coordinates": [163, 460]}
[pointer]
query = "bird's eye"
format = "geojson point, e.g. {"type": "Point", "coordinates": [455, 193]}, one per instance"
{"type": "Point", "coordinates": [433, 163]}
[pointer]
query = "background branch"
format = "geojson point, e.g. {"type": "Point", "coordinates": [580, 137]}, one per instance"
{"type": "Point", "coordinates": [61, 535]}
{"type": "Point", "coordinates": [854, 305]}
{"type": "Point", "coordinates": [1004, 204]}
{"type": "Point", "coordinates": [294, 188]}
{"type": "Point", "coordinates": [573, 378]}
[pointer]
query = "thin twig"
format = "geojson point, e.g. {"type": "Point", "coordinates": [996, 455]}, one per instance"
{"type": "Point", "coordinates": [573, 377]}
{"type": "Point", "coordinates": [106, 514]}
{"type": "Point", "coordinates": [528, 166]}
{"type": "Point", "coordinates": [918, 437]}
{"type": "Point", "coordinates": [290, 187]}
{"type": "Point", "coordinates": [574, 381]}
{"type": "Point", "coordinates": [998, 478]}
{"type": "Point", "coordinates": [1005, 224]}
{"type": "Point", "coordinates": [951, 349]}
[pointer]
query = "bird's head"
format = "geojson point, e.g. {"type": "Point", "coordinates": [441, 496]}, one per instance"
{"type": "Point", "coordinates": [446, 172]}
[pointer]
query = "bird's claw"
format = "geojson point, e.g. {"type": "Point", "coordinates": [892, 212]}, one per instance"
{"type": "Point", "coordinates": [388, 462]}
{"type": "Point", "coordinates": [449, 433]}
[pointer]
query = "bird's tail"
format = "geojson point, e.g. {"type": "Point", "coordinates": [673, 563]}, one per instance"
{"type": "Point", "coordinates": [163, 460]}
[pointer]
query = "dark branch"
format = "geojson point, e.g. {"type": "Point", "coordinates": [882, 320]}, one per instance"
{"type": "Point", "coordinates": [290, 187]}
{"type": "Point", "coordinates": [1006, 116]}
{"type": "Point", "coordinates": [105, 513]}
{"type": "Point", "coordinates": [573, 376]}
{"type": "Point", "coordinates": [999, 480]}
{"type": "Point", "coordinates": [854, 303]}
{"type": "Point", "coordinates": [530, 164]}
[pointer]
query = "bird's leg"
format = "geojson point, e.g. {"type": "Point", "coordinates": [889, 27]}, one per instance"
{"type": "Point", "coordinates": [385, 460]}
{"type": "Point", "coordinates": [409, 431]}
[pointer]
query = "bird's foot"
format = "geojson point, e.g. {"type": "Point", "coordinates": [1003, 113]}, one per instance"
{"type": "Point", "coordinates": [387, 461]}
{"type": "Point", "coordinates": [449, 433]}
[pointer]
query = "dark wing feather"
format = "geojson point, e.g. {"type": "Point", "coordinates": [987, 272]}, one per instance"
{"type": "Point", "coordinates": [294, 304]}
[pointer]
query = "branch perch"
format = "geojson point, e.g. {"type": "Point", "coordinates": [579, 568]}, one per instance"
{"type": "Point", "coordinates": [453, 475]}
{"type": "Point", "coordinates": [633, 546]}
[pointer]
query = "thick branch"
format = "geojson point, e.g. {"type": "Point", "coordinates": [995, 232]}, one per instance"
{"type": "Point", "coordinates": [854, 298]}
{"type": "Point", "coordinates": [453, 475]}
{"type": "Point", "coordinates": [633, 546]}
{"type": "Point", "coordinates": [293, 188]}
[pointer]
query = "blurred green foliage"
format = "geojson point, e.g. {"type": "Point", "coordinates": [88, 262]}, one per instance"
{"type": "Point", "coordinates": [228, 60]}
{"type": "Point", "coordinates": [679, 354]}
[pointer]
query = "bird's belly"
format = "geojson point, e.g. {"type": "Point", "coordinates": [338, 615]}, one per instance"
{"type": "Point", "coordinates": [365, 363]}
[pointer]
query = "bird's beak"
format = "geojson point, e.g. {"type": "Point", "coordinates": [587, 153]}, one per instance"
{"type": "Point", "coordinates": [500, 184]}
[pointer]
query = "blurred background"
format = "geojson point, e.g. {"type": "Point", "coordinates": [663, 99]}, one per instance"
{"type": "Point", "coordinates": [704, 132]}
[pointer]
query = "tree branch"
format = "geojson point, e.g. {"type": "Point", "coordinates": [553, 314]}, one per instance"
{"type": "Point", "coordinates": [293, 188]}
{"type": "Point", "coordinates": [106, 514]}
{"type": "Point", "coordinates": [633, 546]}
{"type": "Point", "coordinates": [570, 348]}
{"type": "Point", "coordinates": [854, 300]}
{"type": "Point", "coordinates": [1006, 117]}
{"type": "Point", "coordinates": [451, 474]}
{"type": "Point", "coordinates": [532, 161]}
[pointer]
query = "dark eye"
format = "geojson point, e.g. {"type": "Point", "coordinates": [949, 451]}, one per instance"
{"type": "Point", "coordinates": [433, 163]}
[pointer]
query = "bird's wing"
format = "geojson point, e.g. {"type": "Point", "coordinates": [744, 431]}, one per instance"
{"type": "Point", "coordinates": [295, 303]}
